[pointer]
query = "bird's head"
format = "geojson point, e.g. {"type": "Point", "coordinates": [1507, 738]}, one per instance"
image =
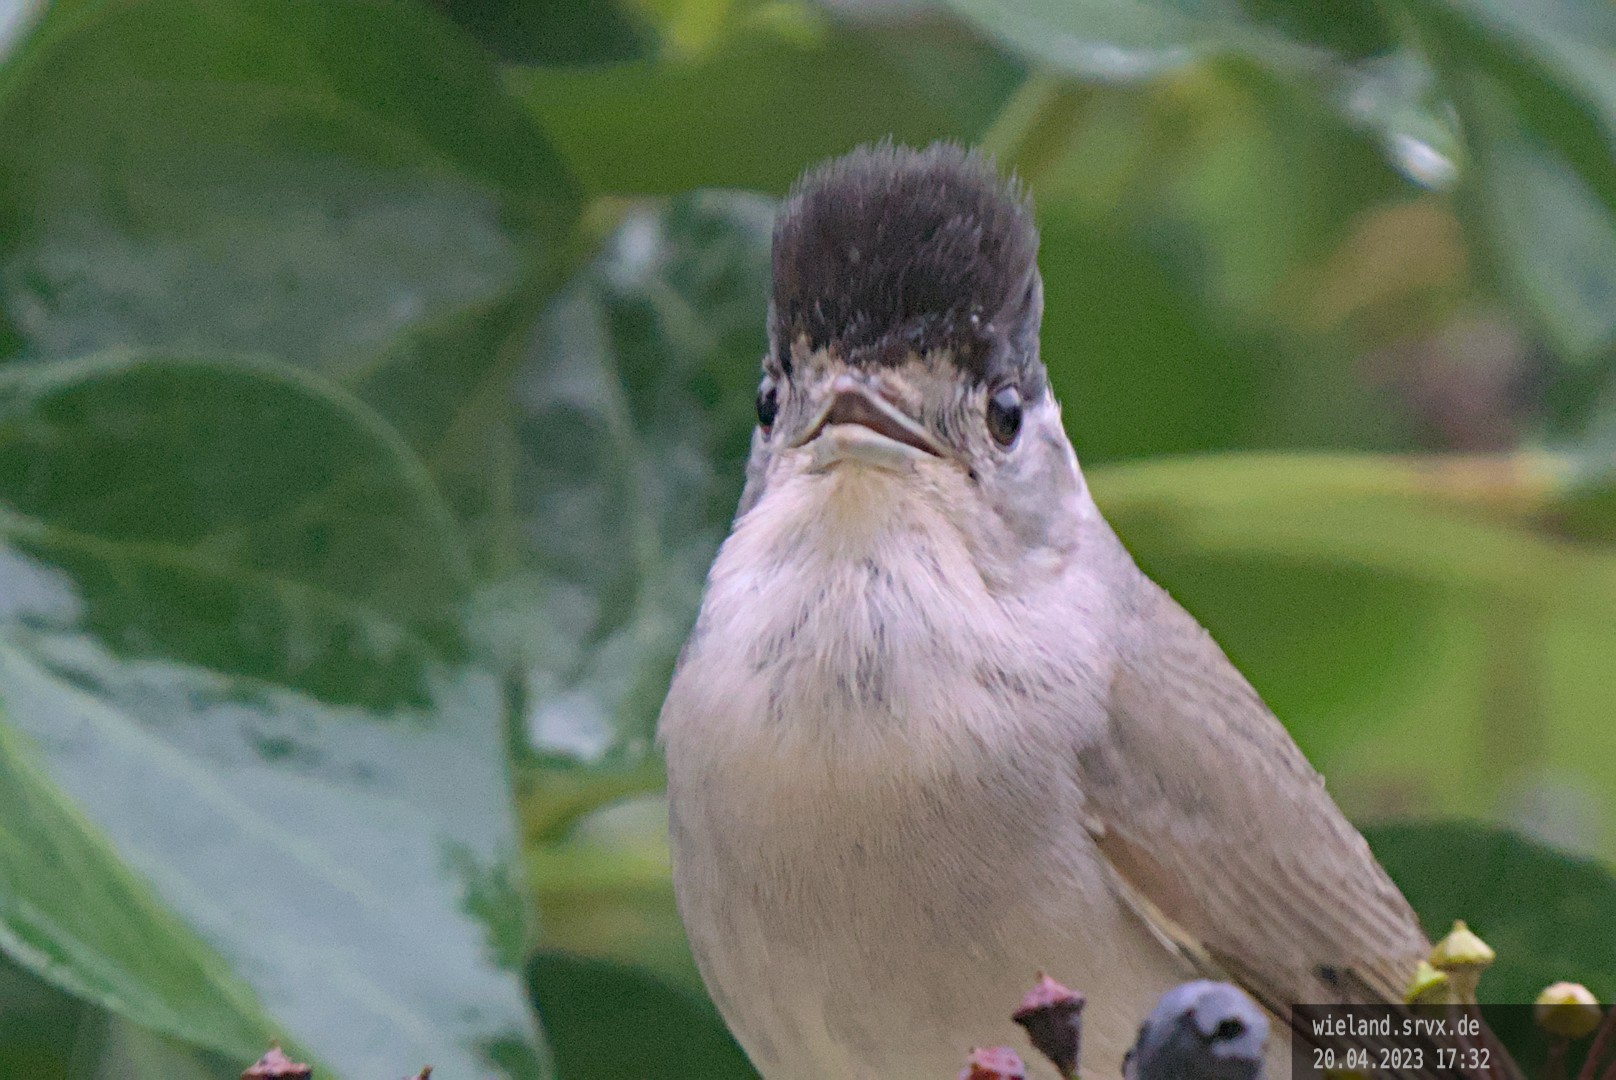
{"type": "Point", "coordinates": [903, 357]}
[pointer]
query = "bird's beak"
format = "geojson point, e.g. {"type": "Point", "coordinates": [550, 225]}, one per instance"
{"type": "Point", "coordinates": [857, 423]}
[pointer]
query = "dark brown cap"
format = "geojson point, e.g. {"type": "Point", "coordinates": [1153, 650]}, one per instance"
{"type": "Point", "coordinates": [890, 250]}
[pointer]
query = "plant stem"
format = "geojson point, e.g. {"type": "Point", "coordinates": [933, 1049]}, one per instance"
{"type": "Point", "coordinates": [1554, 1068]}
{"type": "Point", "coordinates": [1607, 1029]}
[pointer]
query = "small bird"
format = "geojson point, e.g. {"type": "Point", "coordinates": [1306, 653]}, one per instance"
{"type": "Point", "coordinates": [1201, 1030]}
{"type": "Point", "coordinates": [933, 730]}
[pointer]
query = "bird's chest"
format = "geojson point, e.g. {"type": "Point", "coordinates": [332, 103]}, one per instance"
{"type": "Point", "coordinates": [879, 837]}
{"type": "Point", "coordinates": [859, 930]}
{"type": "Point", "coordinates": [870, 824]}
{"type": "Point", "coordinates": [849, 760]}
{"type": "Point", "coordinates": [870, 759]}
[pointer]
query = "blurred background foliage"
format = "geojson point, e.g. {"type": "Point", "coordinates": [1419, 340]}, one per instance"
{"type": "Point", "coordinates": [374, 383]}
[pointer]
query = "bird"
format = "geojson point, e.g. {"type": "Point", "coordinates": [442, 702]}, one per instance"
{"type": "Point", "coordinates": [1200, 1030]}
{"type": "Point", "coordinates": [933, 729]}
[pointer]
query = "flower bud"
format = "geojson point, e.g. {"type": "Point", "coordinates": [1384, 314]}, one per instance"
{"type": "Point", "coordinates": [1566, 1009]}
{"type": "Point", "coordinates": [993, 1063]}
{"type": "Point", "coordinates": [1429, 987]}
{"type": "Point", "coordinates": [1053, 1017]}
{"type": "Point", "coordinates": [276, 1066]}
{"type": "Point", "coordinates": [1463, 957]}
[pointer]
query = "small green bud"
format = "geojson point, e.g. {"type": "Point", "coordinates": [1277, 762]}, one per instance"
{"type": "Point", "coordinates": [1429, 987]}
{"type": "Point", "coordinates": [1463, 956]}
{"type": "Point", "coordinates": [1462, 949]}
{"type": "Point", "coordinates": [1567, 1009]}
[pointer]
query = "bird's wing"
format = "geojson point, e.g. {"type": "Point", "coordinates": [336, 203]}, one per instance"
{"type": "Point", "coordinates": [1222, 836]}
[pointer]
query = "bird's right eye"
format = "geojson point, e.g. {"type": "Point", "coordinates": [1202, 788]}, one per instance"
{"type": "Point", "coordinates": [768, 403]}
{"type": "Point", "coordinates": [1004, 415]}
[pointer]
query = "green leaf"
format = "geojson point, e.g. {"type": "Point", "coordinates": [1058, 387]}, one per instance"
{"type": "Point", "coordinates": [1300, 59]}
{"type": "Point", "coordinates": [558, 32]}
{"type": "Point", "coordinates": [227, 622]}
{"type": "Point", "coordinates": [1349, 28]}
{"type": "Point", "coordinates": [46, 1033]}
{"type": "Point", "coordinates": [1587, 509]}
{"type": "Point", "coordinates": [1465, 524]}
{"type": "Point", "coordinates": [39, 1024]}
{"type": "Point", "coordinates": [604, 890]}
{"type": "Point", "coordinates": [635, 409]}
{"type": "Point", "coordinates": [233, 184]}
{"type": "Point", "coordinates": [612, 1020]}
{"type": "Point", "coordinates": [305, 180]}
{"type": "Point", "coordinates": [718, 119]}
{"type": "Point", "coordinates": [1115, 337]}
{"type": "Point", "coordinates": [133, 1053]}
{"type": "Point", "coordinates": [1547, 915]}
{"type": "Point", "coordinates": [1536, 94]}
{"type": "Point", "coordinates": [1554, 238]}
{"type": "Point", "coordinates": [1354, 592]}
{"type": "Point", "coordinates": [300, 485]}
{"type": "Point", "coordinates": [16, 22]}
{"type": "Point", "coordinates": [71, 912]}
{"type": "Point", "coordinates": [1396, 96]}
{"type": "Point", "coordinates": [1121, 40]}
{"type": "Point", "coordinates": [1184, 227]}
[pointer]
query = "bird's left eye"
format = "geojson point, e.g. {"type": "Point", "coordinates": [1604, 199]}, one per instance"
{"type": "Point", "coordinates": [1004, 415]}
{"type": "Point", "coordinates": [768, 403]}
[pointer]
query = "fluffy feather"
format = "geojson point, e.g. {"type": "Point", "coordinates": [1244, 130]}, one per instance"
{"type": "Point", "coordinates": [889, 251]}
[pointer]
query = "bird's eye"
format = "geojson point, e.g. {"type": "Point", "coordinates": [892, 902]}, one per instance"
{"type": "Point", "coordinates": [768, 402]}
{"type": "Point", "coordinates": [1004, 415]}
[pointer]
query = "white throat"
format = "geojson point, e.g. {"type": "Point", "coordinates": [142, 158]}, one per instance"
{"type": "Point", "coordinates": [847, 621]}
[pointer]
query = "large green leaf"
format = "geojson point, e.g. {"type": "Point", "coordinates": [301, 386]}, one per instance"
{"type": "Point", "coordinates": [1466, 524]}
{"type": "Point", "coordinates": [1547, 915]}
{"type": "Point", "coordinates": [558, 32]}
{"type": "Point", "coordinates": [1184, 226]}
{"type": "Point", "coordinates": [304, 180]}
{"type": "Point", "coordinates": [615, 1021]}
{"type": "Point", "coordinates": [70, 911]}
{"type": "Point", "coordinates": [1371, 597]}
{"type": "Point", "coordinates": [1535, 85]}
{"type": "Point", "coordinates": [635, 407]}
{"type": "Point", "coordinates": [245, 183]}
{"type": "Point", "coordinates": [716, 119]}
{"type": "Point", "coordinates": [16, 20]}
{"type": "Point", "coordinates": [1132, 39]}
{"type": "Point", "coordinates": [226, 623]}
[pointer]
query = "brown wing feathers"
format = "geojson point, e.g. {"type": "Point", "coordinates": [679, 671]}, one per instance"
{"type": "Point", "coordinates": [1222, 836]}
